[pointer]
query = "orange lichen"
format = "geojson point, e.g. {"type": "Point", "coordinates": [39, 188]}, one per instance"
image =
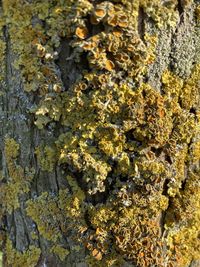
{"type": "Point", "coordinates": [109, 65]}
{"type": "Point", "coordinates": [81, 32]}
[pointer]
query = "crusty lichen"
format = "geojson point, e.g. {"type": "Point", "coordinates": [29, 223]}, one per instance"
{"type": "Point", "coordinates": [2, 49]}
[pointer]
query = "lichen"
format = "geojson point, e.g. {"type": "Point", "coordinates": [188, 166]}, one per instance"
{"type": "Point", "coordinates": [125, 146]}
{"type": "Point", "coordinates": [46, 157]}
{"type": "Point", "coordinates": [42, 211]}
{"type": "Point", "coordinates": [184, 240]}
{"type": "Point", "coordinates": [19, 177]}
{"type": "Point", "coordinates": [55, 213]}
{"type": "Point", "coordinates": [17, 259]}
{"type": "Point", "coordinates": [190, 92]}
{"type": "Point", "coordinates": [60, 252]}
{"type": "Point", "coordinates": [2, 48]}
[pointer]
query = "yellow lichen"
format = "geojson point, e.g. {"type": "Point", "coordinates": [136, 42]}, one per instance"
{"type": "Point", "coordinates": [190, 92]}
{"type": "Point", "coordinates": [184, 241]}
{"type": "Point", "coordinates": [11, 149]}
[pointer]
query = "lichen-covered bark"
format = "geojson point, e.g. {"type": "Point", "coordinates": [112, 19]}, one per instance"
{"type": "Point", "coordinates": [100, 137]}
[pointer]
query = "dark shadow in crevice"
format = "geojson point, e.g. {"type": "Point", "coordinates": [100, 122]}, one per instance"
{"type": "Point", "coordinates": [93, 29]}
{"type": "Point", "coordinates": [141, 23]}
{"type": "Point", "coordinates": [168, 159]}
{"type": "Point", "coordinates": [98, 198]}
{"type": "Point", "coordinates": [164, 212]}
{"type": "Point", "coordinates": [165, 187]}
{"type": "Point", "coordinates": [183, 184]}
{"type": "Point", "coordinates": [193, 111]}
{"type": "Point", "coordinates": [157, 151]}
{"type": "Point", "coordinates": [131, 138]}
{"type": "Point", "coordinates": [96, 2]}
{"type": "Point", "coordinates": [180, 11]}
{"type": "Point", "coordinates": [123, 179]}
{"type": "Point", "coordinates": [70, 63]}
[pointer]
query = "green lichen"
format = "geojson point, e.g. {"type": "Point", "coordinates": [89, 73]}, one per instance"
{"type": "Point", "coordinates": [190, 92]}
{"type": "Point", "coordinates": [19, 179]}
{"type": "Point", "coordinates": [53, 213]}
{"type": "Point", "coordinates": [60, 252]}
{"type": "Point", "coordinates": [11, 150]}
{"type": "Point", "coordinates": [17, 259]}
{"type": "Point", "coordinates": [42, 211]}
{"type": "Point", "coordinates": [46, 157]}
{"type": "Point", "coordinates": [2, 51]}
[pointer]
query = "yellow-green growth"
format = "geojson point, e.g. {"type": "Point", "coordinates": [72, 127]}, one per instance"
{"type": "Point", "coordinates": [49, 212]}
{"type": "Point", "coordinates": [18, 259]}
{"type": "Point", "coordinates": [44, 211]}
{"type": "Point", "coordinates": [18, 178]}
{"type": "Point", "coordinates": [46, 157]}
{"type": "Point", "coordinates": [184, 241]}
{"type": "Point", "coordinates": [60, 252]}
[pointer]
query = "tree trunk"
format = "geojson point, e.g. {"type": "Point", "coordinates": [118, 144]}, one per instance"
{"type": "Point", "coordinates": [100, 136]}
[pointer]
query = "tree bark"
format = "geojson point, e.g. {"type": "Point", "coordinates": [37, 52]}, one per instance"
{"type": "Point", "coordinates": [99, 111]}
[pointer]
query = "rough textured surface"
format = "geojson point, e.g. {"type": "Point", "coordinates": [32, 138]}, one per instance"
{"type": "Point", "coordinates": [100, 140]}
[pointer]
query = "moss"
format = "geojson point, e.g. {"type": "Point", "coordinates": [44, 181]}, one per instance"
{"type": "Point", "coordinates": [15, 258]}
